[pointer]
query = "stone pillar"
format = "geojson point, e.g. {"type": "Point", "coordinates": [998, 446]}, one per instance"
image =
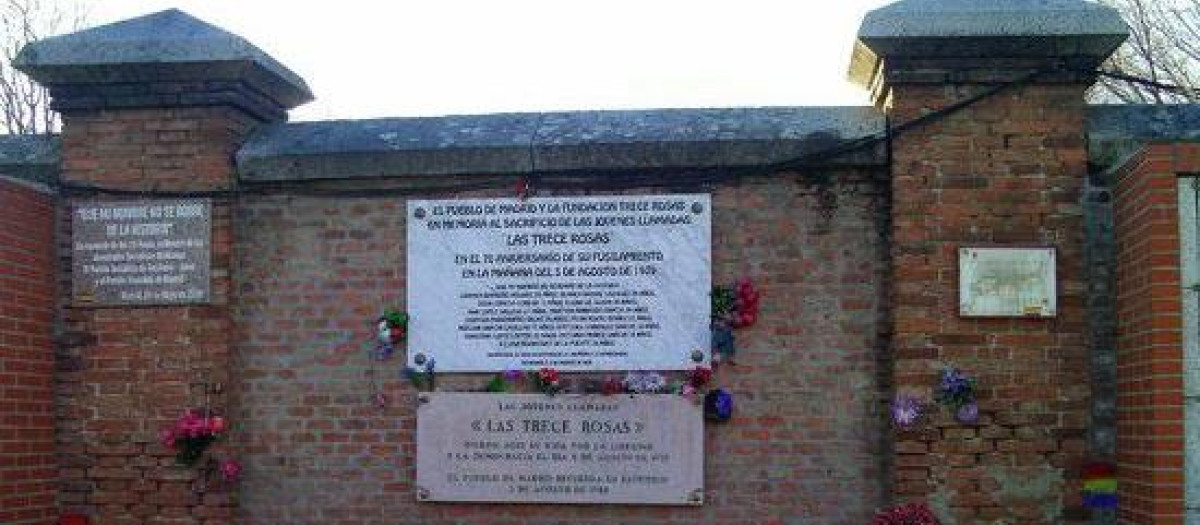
{"type": "Point", "coordinates": [999, 161]}
{"type": "Point", "coordinates": [151, 106]}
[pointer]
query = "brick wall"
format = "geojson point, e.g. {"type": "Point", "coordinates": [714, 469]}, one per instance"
{"type": "Point", "coordinates": [126, 373]}
{"type": "Point", "coordinates": [1008, 170]}
{"type": "Point", "coordinates": [1149, 334]}
{"type": "Point", "coordinates": [27, 466]}
{"type": "Point", "coordinates": [805, 445]}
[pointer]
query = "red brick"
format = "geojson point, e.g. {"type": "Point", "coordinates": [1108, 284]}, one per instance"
{"type": "Point", "coordinates": [1149, 336]}
{"type": "Point", "coordinates": [1019, 363]}
{"type": "Point", "coordinates": [26, 357]}
{"type": "Point", "coordinates": [163, 350]}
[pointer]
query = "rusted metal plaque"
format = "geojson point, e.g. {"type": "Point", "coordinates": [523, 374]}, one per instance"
{"type": "Point", "coordinates": [531, 448]}
{"type": "Point", "coordinates": [141, 252]}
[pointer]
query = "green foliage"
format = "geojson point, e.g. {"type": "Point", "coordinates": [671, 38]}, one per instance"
{"type": "Point", "coordinates": [498, 384]}
{"type": "Point", "coordinates": [723, 300]}
{"type": "Point", "coordinates": [395, 318]}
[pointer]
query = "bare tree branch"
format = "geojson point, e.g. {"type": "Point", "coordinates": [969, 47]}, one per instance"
{"type": "Point", "coordinates": [1163, 48]}
{"type": "Point", "coordinates": [25, 105]}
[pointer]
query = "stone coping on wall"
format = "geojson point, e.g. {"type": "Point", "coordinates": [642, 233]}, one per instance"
{"type": "Point", "coordinates": [1117, 131]}
{"type": "Point", "coordinates": [524, 143]}
{"type": "Point", "coordinates": [985, 30]}
{"type": "Point", "coordinates": [127, 63]}
{"type": "Point", "coordinates": [33, 158]}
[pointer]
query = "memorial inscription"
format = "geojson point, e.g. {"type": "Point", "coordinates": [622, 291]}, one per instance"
{"type": "Point", "coordinates": [530, 448]}
{"type": "Point", "coordinates": [141, 252]}
{"type": "Point", "coordinates": [1007, 282]}
{"type": "Point", "coordinates": [579, 283]}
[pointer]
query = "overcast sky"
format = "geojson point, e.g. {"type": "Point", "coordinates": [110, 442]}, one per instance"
{"type": "Point", "coordinates": [436, 57]}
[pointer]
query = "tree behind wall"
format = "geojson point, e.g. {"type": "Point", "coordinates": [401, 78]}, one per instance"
{"type": "Point", "coordinates": [1163, 47]}
{"type": "Point", "coordinates": [26, 105]}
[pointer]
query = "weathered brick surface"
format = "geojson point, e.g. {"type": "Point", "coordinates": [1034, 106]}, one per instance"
{"type": "Point", "coordinates": [860, 286]}
{"type": "Point", "coordinates": [126, 373]}
{"type": "Point", "coordinates": [805, 445]}
{"type": "Point", "coordinates": [1005, 171]}
{"type": "Point", "coordinates": [1149, 333]}
{"type": "Point", "coordinates": [27, 466]}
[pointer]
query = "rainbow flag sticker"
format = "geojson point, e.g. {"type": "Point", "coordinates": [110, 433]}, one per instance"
{"type": "Point", "coordinates": [1100, 485]}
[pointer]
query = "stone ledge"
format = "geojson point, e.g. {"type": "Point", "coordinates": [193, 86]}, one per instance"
{"type": "Point", "coordinates": [32, 158]}
{"type": "Point", "coordinates": [1116, 131]}
{"type": "Point", "coordinates": [557, 142]}
{"type": "Point", "coordinates": [984, 30]}
{"type": "Point", "coordinates": [530, 143]}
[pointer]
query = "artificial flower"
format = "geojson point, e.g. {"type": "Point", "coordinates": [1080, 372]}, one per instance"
{"type": "Point", "coordinates": [700, 376]}
{"type": "Point", "coordinates": [718, 405]}
{"type": "Point", "coordinates": [907, 514]}
{"type": "Point", "coordinates": [906, 410]}
{"type": "Point", "coordinates": [191, 435]}
{"type": "Point", "coordinates": [612, 386]}
{"type": "Point", "coordinates": [230, 469]}
{"type": "Point", "coordinates": [968, 413]}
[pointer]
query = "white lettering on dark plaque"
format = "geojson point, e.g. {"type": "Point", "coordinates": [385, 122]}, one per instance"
{"type": "Point", "coordinates": [141, 252]}
{"type": "Point", "coordinates": [530, 448]}
{"type": "Point", "coordinates": [578, 283]}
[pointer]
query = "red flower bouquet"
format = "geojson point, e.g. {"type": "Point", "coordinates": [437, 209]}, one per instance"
{"type": "Point", "coordinates": [548, 381]}
{"type": "Point", "coordinates": [907, 514]}
{"type": "Point", "coordinates": [191, 435]}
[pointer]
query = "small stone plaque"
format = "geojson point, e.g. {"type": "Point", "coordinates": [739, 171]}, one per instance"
{"type": "Point", "coordinates": [1007, 282]}
{"type": "Point", "coordinates": [141, 252]}
{"type": "Point", "coordinates": [532, 448]}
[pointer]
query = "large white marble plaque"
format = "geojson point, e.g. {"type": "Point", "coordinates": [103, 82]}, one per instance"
{"type": "Point", "coordinates": [1007, 282]}
{"type": "Point", "coordinates": [574, 283]}
{"type": "Point", "coordinates": [532, 448]}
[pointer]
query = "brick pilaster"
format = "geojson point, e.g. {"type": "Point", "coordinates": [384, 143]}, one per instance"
{"type": "Point", "coordinates": [152, 107]}
{"type": "Point", "coordinates": [139, 367]}
{"type": "Point", "coordinates": [1006, 171]}
{"type": "Point", "coordinates": [1150, 355]}
{"type": "Point", "coordinates": [27, 461]}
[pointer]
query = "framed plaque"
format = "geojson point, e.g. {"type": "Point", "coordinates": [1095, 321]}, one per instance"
{"type": "Point", "coordinates": [1007, 282]}
{"type": "Point", "coordinates": [141, 252]}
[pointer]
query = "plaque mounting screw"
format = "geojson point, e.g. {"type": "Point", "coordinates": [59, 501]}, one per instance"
{"type": "Point", "coordinates": [422, 399]}
{"type": "Point", "coordinates": [696, 497]}
{"type": "Point", "coordinates": [697, 208]}
{"type": "Point", "coordinates": [697, 356]}
{"type": "Point", "coordinates": [419, 359]}
{"type": "Point", "coordinates": [422, 493]}
{"type": "Point", "coordinates": [419, 213]}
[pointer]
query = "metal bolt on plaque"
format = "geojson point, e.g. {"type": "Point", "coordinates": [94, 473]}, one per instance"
{"type": "Point", "coordinates": [697, 208]}
{"type": "Point", "coordinates": [697, 356]}
{"type": "Point", "coordinates": [422, 493]}
{"type": "Point", "coordinates": [696, 497]}
{"type": "Point", "coordinates": [420, 213]}
{"type": "Point", "coordinates": [419, 359]}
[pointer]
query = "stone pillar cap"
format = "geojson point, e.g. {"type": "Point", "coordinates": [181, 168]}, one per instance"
{"type": "Point", "coordinates": [168, 46]}
{"type": "Point", "coordinates": [985, 29]}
